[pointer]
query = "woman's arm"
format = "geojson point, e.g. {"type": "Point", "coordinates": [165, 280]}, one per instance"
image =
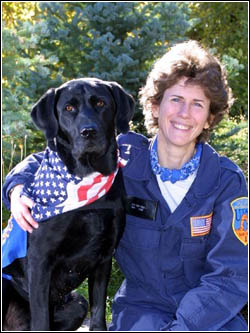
{"type": "Point", "coordinates": [19, 206]}
{"type": "Point", "coordinates": [222, 291]}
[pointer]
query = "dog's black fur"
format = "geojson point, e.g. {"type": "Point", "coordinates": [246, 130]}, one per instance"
{"type": "Point", "coordinates": [79, 120]}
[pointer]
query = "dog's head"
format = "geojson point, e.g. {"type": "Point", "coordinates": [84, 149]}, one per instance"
{"type": "Point", "coordinates": [82, 115]}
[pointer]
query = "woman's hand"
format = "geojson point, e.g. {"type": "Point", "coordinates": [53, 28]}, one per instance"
{"type": "Point", "coordinates": [20, 209]}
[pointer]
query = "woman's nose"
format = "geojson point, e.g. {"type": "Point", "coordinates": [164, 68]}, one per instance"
{"type": "Point", "coordinates": [184, 110]}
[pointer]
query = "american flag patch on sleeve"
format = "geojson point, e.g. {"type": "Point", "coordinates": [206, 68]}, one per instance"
{"type": "Point", "coordinates": [201, 225]}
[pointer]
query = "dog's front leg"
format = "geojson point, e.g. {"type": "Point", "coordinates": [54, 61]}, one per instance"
{"type": "Point", "coordinates": [98, 282]}
{"type": "Point", "coordinates": [39, 286]}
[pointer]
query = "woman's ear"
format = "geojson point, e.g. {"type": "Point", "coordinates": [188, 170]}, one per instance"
{"type": "Point", "coordinates": [209, 121]}
{"type": "Point", "coordinates": [206, 126]}
{"type": "Point", "coordinates": [155, 110]}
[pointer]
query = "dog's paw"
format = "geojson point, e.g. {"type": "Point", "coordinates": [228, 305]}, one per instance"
{"type": "Point", "coordinates": [70, 315]}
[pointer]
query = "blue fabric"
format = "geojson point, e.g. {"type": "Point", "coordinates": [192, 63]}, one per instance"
{"type": "Point", "coordinates": [173, 175]}
{"type": "Point", "coordinates": [14, 244]}
{"type": "Point", "coordinates": [21, 174]}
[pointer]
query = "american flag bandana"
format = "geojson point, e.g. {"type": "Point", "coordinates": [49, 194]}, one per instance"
{"type": "Point", "coordinates": [55, 191]}
{"type": "Point", "coordinates": [201, 225]}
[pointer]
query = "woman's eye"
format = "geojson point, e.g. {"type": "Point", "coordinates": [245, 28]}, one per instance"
{"type": "Point", "coordinates": [69, 108]}
{"type": "Point", "coordinates": [175, 99]}
{"type": "Point", "coordinates": [100, 103]}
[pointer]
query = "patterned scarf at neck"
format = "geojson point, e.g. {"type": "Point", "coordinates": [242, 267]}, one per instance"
{"type": "Point", "coordinates": [173, 175]}
{"type": "Point", "coordinates": [55, 191]}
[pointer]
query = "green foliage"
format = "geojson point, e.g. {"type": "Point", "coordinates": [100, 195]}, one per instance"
{"type": "Point", "coordinates": [68, 40]}
{"type": "Point", "coordinates": [14, 11]}
{"type": "Point", "coordinates": [223, 26]}
{"type": "Point", "coordinates": [231, 140]}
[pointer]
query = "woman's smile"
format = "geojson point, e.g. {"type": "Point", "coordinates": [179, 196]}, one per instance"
{"type": "Point", "coordinates": [180, 126]}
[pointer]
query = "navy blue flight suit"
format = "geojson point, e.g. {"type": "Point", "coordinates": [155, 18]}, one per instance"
{"type": "Point", "coordinates": [177, 279]}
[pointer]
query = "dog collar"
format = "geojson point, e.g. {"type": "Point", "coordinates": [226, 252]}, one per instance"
{"type": "Point", "coordinates": [55, 191]}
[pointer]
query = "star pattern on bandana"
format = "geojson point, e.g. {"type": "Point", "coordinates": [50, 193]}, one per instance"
{"type": "Point", "coordinates": [48, 188]}
{"type": "Point", "coordinates": [55, 191]}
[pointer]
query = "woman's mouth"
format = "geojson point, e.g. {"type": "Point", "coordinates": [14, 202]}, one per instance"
{"type": "Point", "coordinates": [181, 126]}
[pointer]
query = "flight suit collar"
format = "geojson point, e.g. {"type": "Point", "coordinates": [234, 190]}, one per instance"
{"type": "Point", "coordinates": [208, 176]}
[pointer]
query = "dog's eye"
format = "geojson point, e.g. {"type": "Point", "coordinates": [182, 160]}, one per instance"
{"type": "Point", "coordinates": [100, 103]}
{"type": "Point", "coordinates": [69, 108]}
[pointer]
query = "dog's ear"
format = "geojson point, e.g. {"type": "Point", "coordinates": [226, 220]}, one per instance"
{"type": "Point", "coordinates": [125, 107]}
{"type": "Point", "coordinates": [43, 114]}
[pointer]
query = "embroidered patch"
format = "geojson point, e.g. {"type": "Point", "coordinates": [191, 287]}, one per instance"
{"type": "Point", "coordinates": [240, 219]}
{"type": "Point", "coordinates": [200, 225]}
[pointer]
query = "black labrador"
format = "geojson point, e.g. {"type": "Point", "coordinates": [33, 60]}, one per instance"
{"type": "Point", "coordinates": [79, 120]}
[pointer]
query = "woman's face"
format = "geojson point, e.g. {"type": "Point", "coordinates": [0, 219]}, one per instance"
{"type": "Point", "coordinates": [182, 114]}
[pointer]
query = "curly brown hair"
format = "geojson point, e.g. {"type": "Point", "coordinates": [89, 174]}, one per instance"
{"type": "Point", "coordinates": [188, 59]}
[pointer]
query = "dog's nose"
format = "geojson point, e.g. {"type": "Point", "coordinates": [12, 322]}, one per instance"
{"type": "Point", "coordinates": [88, 131]}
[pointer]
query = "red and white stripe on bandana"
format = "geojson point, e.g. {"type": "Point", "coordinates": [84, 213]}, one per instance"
{"type": "Point", "coordinates": [55, 191]}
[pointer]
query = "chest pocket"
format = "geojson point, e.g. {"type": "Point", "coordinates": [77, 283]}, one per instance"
{"type": "Point", "coordinates": [138, 234]}
{"type": "Point", "coordinates": [138, 252]}
{"type": "Point", "coordinates": [193, 256]}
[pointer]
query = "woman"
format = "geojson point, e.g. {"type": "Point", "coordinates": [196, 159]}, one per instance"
{"type": "Point", "coordinates": [183, 252]}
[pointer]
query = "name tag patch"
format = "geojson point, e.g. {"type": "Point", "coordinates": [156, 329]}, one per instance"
{"type": "Point", "coordinates": [142, 208]}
